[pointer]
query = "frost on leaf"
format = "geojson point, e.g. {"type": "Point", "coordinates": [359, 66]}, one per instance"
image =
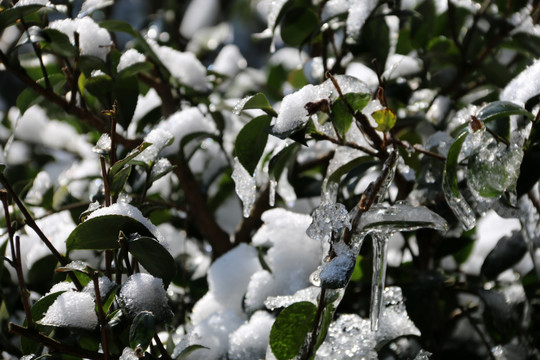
{"type": "Point", "coordinates": [72, 309]}
{"type": "Point", "coordinates": [103, 146]}
{"type": "Point", "coordinates": [245, 186]}
{"type": "Point", "coordinates": [328, 218]}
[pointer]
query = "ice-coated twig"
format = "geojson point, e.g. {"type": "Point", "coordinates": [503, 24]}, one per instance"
{"type": "Point", "coordinates": [380, 248]}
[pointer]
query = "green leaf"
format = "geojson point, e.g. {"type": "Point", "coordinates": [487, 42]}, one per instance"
{"type": "Point", "coordinates": [328, 314]}
{"type": "Point", "coordinates": [58, 42]}
{"type": "Point", "coordinates": [500, 109]}
{"type": "Point", "coordinates": [117, 166]}
{"type": "Point", "coordinates": [153, 257]}
{"type": "Point", "coordinates": [508, 251]}
{"type": "Point", "coordinates": [188, 350]}
{"type": "Point", "coordinates": [251, 141]}
{"type": "Point", "coordinates": [357, 274]}
{"type": "Point", "coordinates": [29, 97]}
{"type": "Point", "coordinates": [298, 25]}
{"type": "Point", "coordinates": [281, 159]}
{"type": "Point", "coordinates": [88, 63]}
{"type": "Point", "coordinates": [259, 101]}
{"type": "Point", "coordinates": [101, 233]}
{"type": "Point", "coordinates": [38, 311]}
{"type": "Point", "coordinates": [385, 119]}
{"type": "Point", "coordinates": [10, 16]}
{"type": "Point", "coordinates": [119, 180]}
{"type": "Point", "coordinates": [135, 69]}
{"type": "Point", "coordinates": [142, 330]}
{"type": "Point", "coordinates": [347, 167]}
{"type": "Point", "coordinates": [126, 91]}
{"type": "Point", "coordinates": [99, 86]}
{"type": "Point", "coordinates": [358, 101]}
{"type": "Point", "coordinates": [290, 329]}
{"type": "Point", "coordinates": [161, 172]}
{"type": "Point", "coordinates": [118, 26]}
{"type": "Point", "coordinates": [341, 117]}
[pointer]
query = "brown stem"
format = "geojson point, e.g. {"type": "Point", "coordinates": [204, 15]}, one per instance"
{"type": "Point", "coordinates": [39, 55]}
{"type": "Point", "coordinates": [35, 335]}
{"type": "Point", "coordinates": [101, 317]}
{"type": "Point", "coordinates": [106, 184]}
{"type": "Point", "coordinates": [208, 227]}
{"type": "Point", "coordinates": [33, 225]}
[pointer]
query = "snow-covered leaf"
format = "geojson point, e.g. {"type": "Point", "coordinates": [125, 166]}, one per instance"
{"type": "Point", "coordinates": [257, 101]}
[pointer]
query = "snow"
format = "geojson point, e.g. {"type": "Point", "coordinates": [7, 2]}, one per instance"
{"type": "Point", "coordinates": [103, 146]}
{"type": "Point", "coordinates": [41, 184]}
{"type": "Point", "coordinates": [251, 339]}
{"type": "Point", "coordinates": [245, 187]}
{"type": "Point", "coordinates": [183, 66]}
{"type": "Point", "coordinates": [105, 288]}
{"type": "Point", "coordinates": [310, 294]}
{"type": "Point", "coordinates": [361, 71]}
{"type": "Point", "coordinates": [93, 40]}
{"type": "Point", "coordinates": [159, 138]}
{"type": "Point", "coordinates": [228, 280]}
{"type": "Point", "coordinates": [524, 86]}
{"type": "Point", "coordinates": [336, 7]}
{"type": "Point", "coordinates": [31, 2]}
{"type": "Point", "coordinates": [358, 14]}
{"type": "Point", "coordinates": [229, 61]}
{"type": "Point", "coordinates": [128, 210]}
{"type": "Point", "coordinates": [89, 6]}
{"type": "Point", "coordinates": [292, 257]}
{"type": "Point", "coordinates": [194, 19]}
{"type": "Point", "coordinates": [72, 309]}
{"type": "Point", "coordinates": [130, 57]}
{"type": "Point", "coordinates": [128, 354]}
{"type": "Point", "coordinates": [143, 292]}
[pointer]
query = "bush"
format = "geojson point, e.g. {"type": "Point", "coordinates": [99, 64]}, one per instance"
{"type": "Point", "coordinates": [270, 179]}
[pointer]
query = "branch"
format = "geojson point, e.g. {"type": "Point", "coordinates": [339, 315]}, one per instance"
{"type": "Point", "coordinates": [54, 344]}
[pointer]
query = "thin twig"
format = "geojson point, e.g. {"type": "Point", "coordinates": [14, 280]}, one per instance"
{"type": "Point", "coordinates": [106, 184]}
{"type": "Point", "coordinates": [164, 354]}
{"type": "Point", "coordinates": [419, 149]}
{"type": "Point", "coordinates": [35, 335]}
{"type": "Point", "coordinates": [34, 226]}
{"type": "Point", "coordinates": [101, 317]}
{"type": "Point", "coordinates": [316, 323]}
{"type": "Point", "coordinates": [39, 55]}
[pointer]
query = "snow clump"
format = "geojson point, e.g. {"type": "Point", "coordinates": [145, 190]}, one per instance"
{"type": "Point", "coordinates": [72, 309]}
{"type": "Point", "coordinates": [129, 58]}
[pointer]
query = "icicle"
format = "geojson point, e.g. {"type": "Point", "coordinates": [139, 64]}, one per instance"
{"type": "Point", "coordinates": [245, 186]}
{"type": "Point", "coordinates": [380, 247]}
{"type": "Point", "coordinates": [272, 192]}
{"type": "Point", "coordinates": [388, 171]}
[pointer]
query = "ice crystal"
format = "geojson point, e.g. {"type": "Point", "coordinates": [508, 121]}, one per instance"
{"type": "Point", "coordinates": [245, 186]}
{"type": "Point", "coordinates": [328, 219]}
{"type": "Point", "coordinates": [308, 294]}
{"type": "Point", "coordinates": [103, 145]}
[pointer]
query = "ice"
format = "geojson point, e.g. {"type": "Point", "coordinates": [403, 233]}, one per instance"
{"type": "Point", "coordinates": [401, 65]}
{"type": "Point", "coordinates": [129, 354]}
{"type": "Point", "coordinates": [350, 337]}
{"type": "Point", "coordinates": [41, 184]}
{"type": "Point", "coordinates": [93, 40]}
{"type": "Point", "coordinates": [161, 166]}
{"type": "Point", "coordinates": [399, 217]}
{"type": "Point", "coordinates": [423, 355]}
{"type": "Point", "coordinates": [128, 210]}
{"type": "Point", "coordinates": [103, 146]}
{"type": "Point", "coordinates": [292, 257]}
{"type": "Point", "coordinates": [439, 141]}
{"type": "Point", "coordinates": [128, 58]}
{"type": "Point", "coordinates": [310, 294]}
{"type": "Point", "coordinates": [195, 18]}
{"type": "Point", "coordinates": [292, 112]}
{"type": "Point", "coordinates": [31, 2]}
{"type": "Point", "coordinates": [89, 6]}
{"type": "Point", "coordinates": [328, 219]}
{"type": "Point", "coordinates": [251, 339]}
{"type": "Point", "coordinates": [229, 61]}
{"type": "Point", "coordinates": [285, 189]}
{"type": "Point", "coordinates": [361, 71]}
{"type": "Point", "coordinates": [358, 14]}
{"type": "Point", "coordinates": [105, 288]}
{"type": "Point", "coordinates": [143, 292]}
{"type": "Point", "coordinates": [183, 66]}
{"type": "Point", "coordinates": [336, 273]}
{"type": "Point", "coordinates": [72, 309]}
{"type": "Point", "coordinates": [245, 186]}
{"type": "Point", "coordinates": [380, 250]}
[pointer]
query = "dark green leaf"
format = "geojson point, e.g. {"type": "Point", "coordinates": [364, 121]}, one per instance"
{"type": "Point", "coordinates": [135, 69]}
{"type": "Point", "coordinates": [126, 92]}
{"type": "Point", "coordinates": [142, 330]}
{"type": "Point", "coordinates": [345, 168]}
{"type": "Point", "coordinates": [101, 232]}
{"type": "Point", "coordinates": [358, 101]}
{"type": "Point", "coordinates": [188, 350]}
{"type": "Point", "coordinates": [259, 101]}
{"type": "Point", "coordinates": [38, 312]}
{"type": "Point", "coordinates": [10, 16]}
{"type": "Point", "coordinates": [298, 25]}
{"type": "Point", "coordinates": [119, 180]}
{"type": "Point", "coordinates": [451, 165]}
{"type": "Point", "coordinates": [29, 97]}
{"type": "Point", "coordinates": [341, 117]}
{"type": "Point", "coordinates": [508, 251]}
{"type": "Point", "coordinates": [117, 166]}
{"type": "Point", "coordinates": [88, 63]}
{"type": "Point", "coordinates": [159, 173]}
{"type": "Point", "coordinates": [99, 86]}
{"type": "Point", "coordinates": [59, 43]}
{"type": "Point", "coordinates": [153, 257]}
{"type": "Point", "coordinates": [118, 26]}
{"type": "Point", "coordinates": [251, 141]}
{"type": "Point", "coordinates": [500, 109]}
{"type": "Point", "coordinates": [281, 159]}
{"type": "Point", "coordinates": [290, 329]}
